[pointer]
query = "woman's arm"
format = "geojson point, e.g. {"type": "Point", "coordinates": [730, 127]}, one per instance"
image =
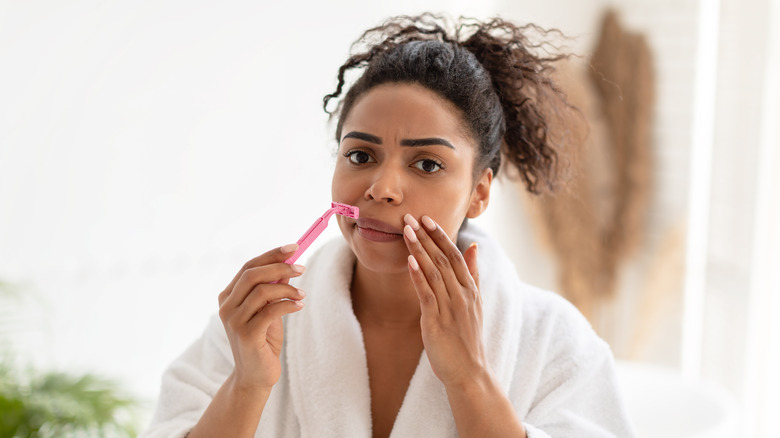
{"type": "Point", "coordinates": [235, 411]}
{"type": "Point", "coordinates": [447, 284]}
{"type": "Point", "coordinates": [482, 409]}
{"type": "Point", "coordinates": [251, 310]}
{"type": "Point", "coordinates": [584, 403]}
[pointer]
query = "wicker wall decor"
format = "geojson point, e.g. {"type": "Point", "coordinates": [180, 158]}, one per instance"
{"type": "Point", "coordinates": [597, 220]}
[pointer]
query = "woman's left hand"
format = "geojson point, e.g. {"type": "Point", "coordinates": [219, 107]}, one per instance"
{"type": "Point", "coordinates": [447, 284]}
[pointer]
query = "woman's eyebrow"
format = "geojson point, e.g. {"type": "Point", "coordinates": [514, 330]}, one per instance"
{"type": "Point", "coordinates": [362, 136]}
{"type": "Point", "coordinates": [415, 142]}
{"type": "Point", "coordinates": [427, 142]}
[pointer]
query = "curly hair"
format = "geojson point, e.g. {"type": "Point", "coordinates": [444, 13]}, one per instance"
{"type": "Point", "coordinates": [489, 70]}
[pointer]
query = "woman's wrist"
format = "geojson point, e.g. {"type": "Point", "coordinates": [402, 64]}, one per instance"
{"type": "Point", "coordinates": [243, 391]}
{"type": "Point", "coordinates": [481, 407]}
{"type": "Point", "coordinates": [234, 411]}
{"type": "Point", "coordinates": [475, 384]}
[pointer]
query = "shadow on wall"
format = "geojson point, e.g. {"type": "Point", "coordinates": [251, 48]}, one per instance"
{"type": "Point", "coordinates": [596, 223]}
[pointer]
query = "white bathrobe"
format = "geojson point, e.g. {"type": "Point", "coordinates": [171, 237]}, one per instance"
{"type": "Point", "coordinates": [558, 374]}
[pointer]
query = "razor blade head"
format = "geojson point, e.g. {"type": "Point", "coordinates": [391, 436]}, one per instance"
{"type": "Point", "coordinates": [346, 210]}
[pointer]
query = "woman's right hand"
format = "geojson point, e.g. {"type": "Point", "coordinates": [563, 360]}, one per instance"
{"type": "Point", "coordinates": [251, 309]}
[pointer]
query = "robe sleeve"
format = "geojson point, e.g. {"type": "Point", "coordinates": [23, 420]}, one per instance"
{"type": "Point", "coordinates": [190, 383]}
{"type": "Point", "coordinates": [576, 394]}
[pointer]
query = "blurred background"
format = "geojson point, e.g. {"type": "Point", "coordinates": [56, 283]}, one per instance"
{"type": "Point", "coordinates": [149, 148]}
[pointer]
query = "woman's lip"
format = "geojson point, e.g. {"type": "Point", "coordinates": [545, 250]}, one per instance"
{"type": "Point", "coordinates": [376, 230]}
{"type": "Point", "coordinates": [377, 225]}
{"type": "Point", "coordinates": [377, 236]}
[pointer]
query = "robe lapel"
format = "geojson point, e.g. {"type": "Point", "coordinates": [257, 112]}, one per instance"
{"type": "Point", "coordinates": [325, 353]}
{"type": "Point", "coordinates": [426, 409]}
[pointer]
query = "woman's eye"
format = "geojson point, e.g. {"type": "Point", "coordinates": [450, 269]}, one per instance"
{"type": "Point", "coordinates": [428, 166]}
{"type": "Point", "coordinates": [358, 157]}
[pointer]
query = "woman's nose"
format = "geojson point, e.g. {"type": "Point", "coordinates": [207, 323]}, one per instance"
{"type": "Point", "coordinates": [386, 186]}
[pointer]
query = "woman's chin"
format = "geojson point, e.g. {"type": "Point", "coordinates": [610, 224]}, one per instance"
{"type": "Point", "coordinates": [382, 262]}
{"type": "Point", "coordinates": [388, 257]}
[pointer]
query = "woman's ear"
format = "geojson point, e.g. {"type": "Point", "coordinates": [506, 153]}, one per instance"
{"type": "Point", "coordinates": [481, 194]}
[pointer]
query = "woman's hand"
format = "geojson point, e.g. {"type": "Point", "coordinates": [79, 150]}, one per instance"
{"type": "Point", "coordinates": [447, 284]}
{"type": "Point", "coordinates": [251, 309]}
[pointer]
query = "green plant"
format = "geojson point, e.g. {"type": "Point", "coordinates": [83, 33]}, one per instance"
{"type": "Point", "coordinates": [43, 404]}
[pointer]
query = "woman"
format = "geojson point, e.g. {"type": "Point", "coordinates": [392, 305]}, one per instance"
{"type": "Point", "coordinates": [415, 323]}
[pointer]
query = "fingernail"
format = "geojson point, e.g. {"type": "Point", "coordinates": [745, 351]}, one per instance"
{"type": "Point", "coordinates": [409, 219]}
{"type": "Point", "coordinates": [429, 223]}
{"type": "Point", "coordinates": [413, 263]}
{"type": "Point", "coordinates": [289, 248]}
{"type": "Point", "coordinates": [303, 294]}
{"type": "Point", "coordinates": [299, 268]}
{"type": "Point", "coordinates": [299, 303]}
{"type": "Point", "coordinates": [410, 234]}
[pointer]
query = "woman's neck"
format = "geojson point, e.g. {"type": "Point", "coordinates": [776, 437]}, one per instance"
{"type": "Point", "coordinates": [384, 300]}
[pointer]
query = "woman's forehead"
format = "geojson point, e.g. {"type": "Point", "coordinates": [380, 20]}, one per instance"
{"type": "Point", "coordinates": [405, 110]}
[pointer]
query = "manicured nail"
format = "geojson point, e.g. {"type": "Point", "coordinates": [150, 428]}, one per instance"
{"type": "Point", "coordinates": [410, 234]}
{"type": "Point", "coordinates": [299, 268]}
{"type": "Point", "coordinates": [429, 223]}
{"type": "Point", "coordinates": [303, 294]}
{"type": "Point", "coordinates": [289, 248]}
{"type": "Point", "coordinates": [413, 263]}
{"type": "Point", "coordinates": [299, 303]}
{"type": "Point", "coordinates": [411, 221]}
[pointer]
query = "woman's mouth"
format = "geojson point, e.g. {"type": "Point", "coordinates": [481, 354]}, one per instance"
{"type": "Point", "coordinates": [377, 231]}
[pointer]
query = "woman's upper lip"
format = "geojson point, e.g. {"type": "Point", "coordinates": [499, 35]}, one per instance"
{"type": "Point", "coordinates": [376, 224]}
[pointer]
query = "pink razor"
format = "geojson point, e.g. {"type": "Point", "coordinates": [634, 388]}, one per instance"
{"type": "Point", "coordinates": [319, 225]}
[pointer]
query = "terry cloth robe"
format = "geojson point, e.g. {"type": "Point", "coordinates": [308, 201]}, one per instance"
{"type": "Point", "coordinates": [558, 374]}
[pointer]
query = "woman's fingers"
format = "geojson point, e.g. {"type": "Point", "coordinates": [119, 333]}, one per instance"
{"type": "Point", "coordinates": [448, 248]}
{"type": "Point", "coordinates": [434, 277]}
{"type": "Point", "coordinates": [428, 302]}
{"type": "Point", "coordinates": [277, 255]}
{"type": "Point", "coordinates": [439, 258]}
{"type": "Point", "coordinates": [470, 256]}
{"type": "Point", "coordinates": [259, 275]}
{"type": "Point", "coordinates": [270, 313]}
{"type": "Point", "coordinates": [262, 296]}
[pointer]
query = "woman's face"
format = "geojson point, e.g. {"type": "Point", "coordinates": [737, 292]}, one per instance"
{"type": "Point", "coordinates": [404, 149]}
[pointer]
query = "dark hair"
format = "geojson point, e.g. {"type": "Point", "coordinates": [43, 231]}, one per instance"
{"type": "Point", "coordinates": [488, 70]}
